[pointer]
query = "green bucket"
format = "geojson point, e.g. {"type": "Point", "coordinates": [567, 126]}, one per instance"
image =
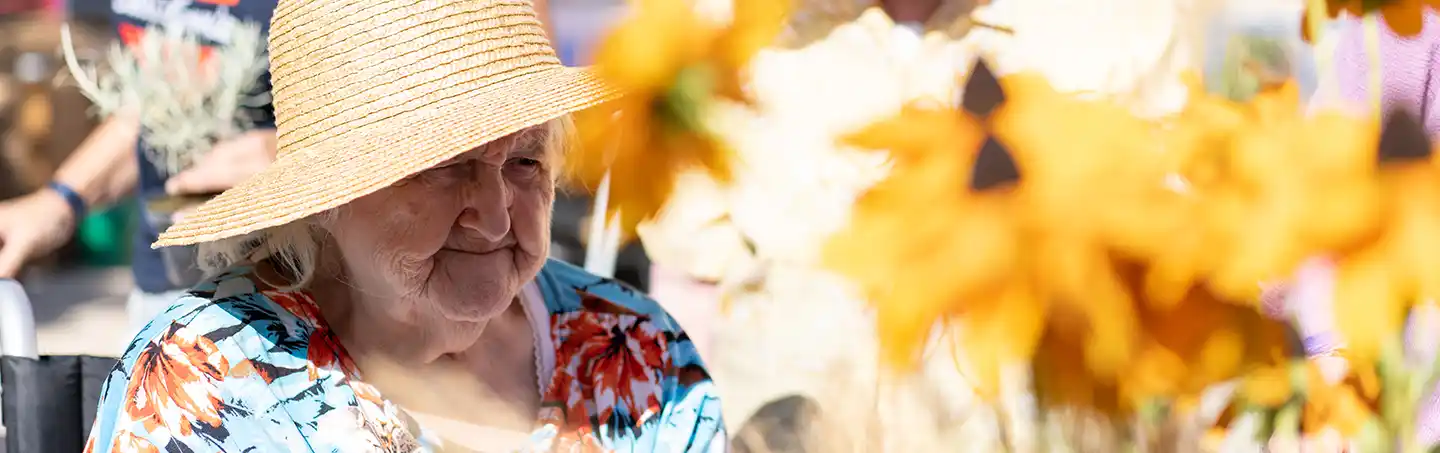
{"type": "Point", "coordinates": [104, 235]}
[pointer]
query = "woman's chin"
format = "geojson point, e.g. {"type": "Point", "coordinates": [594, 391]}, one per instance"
{"type": "Point", "coordinates": [472, 288]}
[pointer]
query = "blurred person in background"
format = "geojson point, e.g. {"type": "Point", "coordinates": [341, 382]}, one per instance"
{"type": "Point", "coordinates": [112, 163]}
{"type": "Point", "coordinates": [1407, 72]}
{"type": "Point", "coordinates": [388, 272]}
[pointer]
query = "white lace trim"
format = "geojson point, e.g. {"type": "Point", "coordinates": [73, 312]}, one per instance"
{"type": "Point", "coordinates": [534, 303]}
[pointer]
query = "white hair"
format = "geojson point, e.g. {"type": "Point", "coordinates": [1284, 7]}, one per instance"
{"type": "Point", "coordinates": [294, 248]}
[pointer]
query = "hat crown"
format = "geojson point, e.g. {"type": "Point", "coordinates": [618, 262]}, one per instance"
{"type": "Point", "coordinates": [343, 66]}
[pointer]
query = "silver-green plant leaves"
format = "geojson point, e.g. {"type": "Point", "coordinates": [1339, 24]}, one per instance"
{"type": "Point", "coordinates": [1252, 63]}
{"type": "Point", "coordinates": [186, 101]}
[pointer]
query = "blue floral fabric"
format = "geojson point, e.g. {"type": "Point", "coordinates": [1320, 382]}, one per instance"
{"type": "Point", "coordinates": [233, 368]}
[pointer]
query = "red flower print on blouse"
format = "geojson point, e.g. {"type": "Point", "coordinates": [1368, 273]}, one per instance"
{"type": "Point", "coordinates": [297, 303]}
{"type": "Point", "coordinates": [609, 366]}
{"type": "Point", "coordinates": [325, 350]}
{"type": "Point", "coordinates": [128, 442]}
{"type": "Point", "coordinates": [179, 384]}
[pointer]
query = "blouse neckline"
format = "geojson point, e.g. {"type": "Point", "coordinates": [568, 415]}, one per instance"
{"type": "Point", "coordinates": [536, 312]}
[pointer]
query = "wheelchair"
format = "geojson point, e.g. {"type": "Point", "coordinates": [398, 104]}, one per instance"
{"type": "Point", "coordinates": [47, 403]}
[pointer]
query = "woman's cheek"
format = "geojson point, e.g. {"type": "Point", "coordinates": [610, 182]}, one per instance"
{"type": "Point", "coordinates": [414, 219]}
{"type": "Point", "coordinates": [530, 218]}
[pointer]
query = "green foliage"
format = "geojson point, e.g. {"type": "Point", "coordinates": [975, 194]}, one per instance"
{"type": "Point", "coordinates": [1253, 63]}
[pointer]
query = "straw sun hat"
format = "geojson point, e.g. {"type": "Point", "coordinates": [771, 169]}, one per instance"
{"type": "Point", "coordinates": [368, 92]}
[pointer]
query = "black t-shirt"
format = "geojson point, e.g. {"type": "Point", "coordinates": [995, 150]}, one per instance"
{"type": "Point", "coordinates": [212, 21]}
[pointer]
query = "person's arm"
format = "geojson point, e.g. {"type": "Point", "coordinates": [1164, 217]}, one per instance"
{"type": "Point", "coordinates": [104, 168]}
{"type": "Point", "coordinates": [100, 171]}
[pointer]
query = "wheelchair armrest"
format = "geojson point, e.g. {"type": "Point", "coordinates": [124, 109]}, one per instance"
{"type": "Point", "coordinates": [17, 322]}
{"type": "Point", "coordinates": [17, 332]}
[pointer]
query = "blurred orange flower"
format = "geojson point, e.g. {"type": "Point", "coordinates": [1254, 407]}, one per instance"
{"type": "Point", "coordinates": [1346, 405]}
{"type": "Point", "coordinates": [1121, 257]}
{"type": "Point", "coordinates": [1181, 351]}
{"type": "Point", "coordinates": [1038, 260]}
{"type": "Point", "coordinates": [1405, 17]}
{"type": "Point", "coordinates": [1378, 283]}
{"type": "Point", "coordinates": [1266, 187]}
{"type": "Point", "coordinates": [1092, 172]}
{"type": "Point", "coordinates": [673, 64]}
{"type": "Point", "coordinates": [939, 238]}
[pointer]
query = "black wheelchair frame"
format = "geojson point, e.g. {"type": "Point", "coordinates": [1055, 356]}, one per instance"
{"type": "Point", "coordinates": [47, 403]}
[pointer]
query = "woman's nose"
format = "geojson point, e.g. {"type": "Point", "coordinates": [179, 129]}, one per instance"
{"type": "Point", "coordinates": [487, 208]}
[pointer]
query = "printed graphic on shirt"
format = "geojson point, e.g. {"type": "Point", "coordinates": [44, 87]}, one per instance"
{"type": "Point", "coordinates": [213, 21]}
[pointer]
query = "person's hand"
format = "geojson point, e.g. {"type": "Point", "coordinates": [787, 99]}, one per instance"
{"type": "Point", "coordinates": [30, 226]}
{"type": "Point", "coordinates": [226, 165]}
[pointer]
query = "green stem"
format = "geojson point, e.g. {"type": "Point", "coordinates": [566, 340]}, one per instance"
{"type": "Point", "coordinates": [1397, 399]}
{"type": "Point", "coordinates": [1287, 422]}
{"type": "Point", "coordinates": [1315, 19]}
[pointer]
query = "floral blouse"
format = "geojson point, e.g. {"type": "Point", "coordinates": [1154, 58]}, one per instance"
{"type": "Point", "coordinates": [230, 368]}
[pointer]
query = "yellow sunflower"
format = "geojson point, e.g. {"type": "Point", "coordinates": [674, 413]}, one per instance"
{"type": "Point", "coordinates": [1007, 218]}
{"type": "Point", "coordinates": [1378, 283]}
{"type": "Point", "coordinates": [1266, 187]}
{"type": "Point", "coordinates": [672, 63]}
{"type": "Point", "coordinates": [940, 238]}
{"type": "Point", "coordinates": [1181, 350]}
{"type": "Point", "coordinates": [1091, 171]}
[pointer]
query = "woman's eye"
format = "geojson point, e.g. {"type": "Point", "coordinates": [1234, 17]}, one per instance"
{"type": "Point", "coordinates": [524, 164]}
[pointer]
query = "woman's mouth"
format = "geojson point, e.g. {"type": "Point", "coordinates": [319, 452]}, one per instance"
{"type": "Point", "coordinates": [472, 252]}
{"type": "Point", "coordinates": [480, 249]}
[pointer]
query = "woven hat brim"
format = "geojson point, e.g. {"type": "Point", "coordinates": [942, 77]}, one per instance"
{"type": "Point", "coordinates": [356, 163]}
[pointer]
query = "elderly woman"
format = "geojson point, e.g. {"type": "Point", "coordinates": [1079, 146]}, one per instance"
{"type": "Point", "coordinates": [401, 238]}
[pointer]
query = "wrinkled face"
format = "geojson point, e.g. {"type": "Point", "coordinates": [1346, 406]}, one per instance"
{"type": "Point", "coordinates": [450, 247]}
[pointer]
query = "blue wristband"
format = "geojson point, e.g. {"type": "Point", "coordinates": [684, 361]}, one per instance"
{"type": "Point", "coordinates": [77, 203]}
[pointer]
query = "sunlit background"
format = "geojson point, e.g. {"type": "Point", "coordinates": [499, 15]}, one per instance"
{"type": "Point", "coordinates": [79, 293]}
